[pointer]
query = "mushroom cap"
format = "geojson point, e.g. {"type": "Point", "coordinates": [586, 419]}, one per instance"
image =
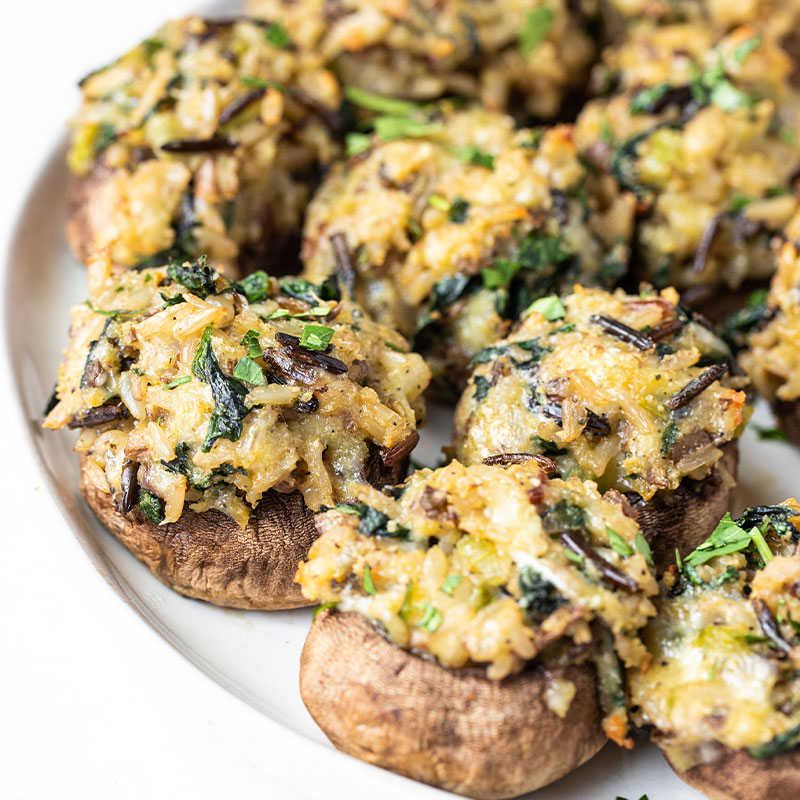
{"type": "Point", "coordinates": [454, 729]}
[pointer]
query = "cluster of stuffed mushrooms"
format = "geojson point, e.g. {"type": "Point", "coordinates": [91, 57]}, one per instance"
{"type": "Point", "coordinates": [301, 223]}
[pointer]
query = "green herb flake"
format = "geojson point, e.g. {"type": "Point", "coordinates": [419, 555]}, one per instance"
{"type": "Point", "coordinates": [356, 143]}
{"type": "Point", "coordinates": [431, 620]}
{"type": "Point", "coordinates": [550, 307]}
{"type": "Point", "coordinates": [787, 136]}
{"type": "Point", "coordinates": [618, 544]}
{"type": "Point", "coordinates": [744, 49]}
{"type": "Point", "coordinates": [501, 274]}
{"type": "Point", "coordinates": [320, 608]}
{"type": "Point", "coordinates": [738, 202]}
{"type": "Point", "coordinates": [250, 341]}
{"type": "Point", "coordinates": [254, 287]}
{"type": "Point", "coordinates": [450, 584]}
{"type": "Point", "coordinates": [381, 103]}
{"type": "Point", "coordinates": [469, 154]}
{"type": "Point", "coordinates": [316, 337]}
{"type": "Point", "coordinates": [726, 96]}
{"type": "Point", "coordinates": [537, 24]}
{"type": "Point", "coordinates": [395, 348]}
{"type": "Point", "coordinates": [179, 382]}
{"type": "Point", "coordinates": [278, 36]}
{"type": "Point", "coordinates": [642, 545]}
{"type": "Point", "coordinates": [578, 559]}
{"type": "Point", "coordinates": [151, 506]}
{"type": "Point", "coordinates": [260, 83]}
{"type": "Point", "coordinates": [249, 371]}
{"type": "Point", "coordinates": [369, 585]}
{"type": "Point", "coordinates": [405, 609]}
{"type": "Point", "coordinates": [390, 128]}
{"type": "Point", "coordinates": [770, 434]}
{"type": "Point", "coordinates": [644, 100]}
{"type": "Point", "coordinates": [437, 201]}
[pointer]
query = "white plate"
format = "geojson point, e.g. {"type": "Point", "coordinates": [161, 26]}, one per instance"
{"type": "Point", "coordinates": [254, 655]}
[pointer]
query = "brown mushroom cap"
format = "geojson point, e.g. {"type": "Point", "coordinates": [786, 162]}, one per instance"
{"type": "Point", "coordinates": [739, 776]}
{"type": "Point", "coordinates": [788, 416]}
{"type": "Point", "coordinates": [454, 729]}
{"type": "Point", "coordinates": [88, 211]}
{"type": "Point", "coordinates": [684, 518]}
{"type": "Point", "coordinates": [207, 556]}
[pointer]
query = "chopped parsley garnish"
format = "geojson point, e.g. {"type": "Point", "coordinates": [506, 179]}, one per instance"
{"type": "Point", "coordinates": [437, 201]}
{"type": "Point", "coordinates": [390, 128]}
{"type": "Point", "coordinates": [179, 382]}
{"type": "Point", "coordinates": [469, 154]}
{"type": "Point", "coordinates": [432, 618]}
{"type": "Point", "coordinates": [738, 201]}
{"type": "Point", "coordinates": [278, 36]}
{"type": "Point", "coordinates": [316, 337]}
{"type": "Point", "coordinates": [647, 98]}
{"type": "Point", "coordinates": [726, 96]}
{"type": "Point", "coordinates": [744, 49]}
{"type": "Point", "coordinates": [550, 307]}
{"type": "Point", "coordinates": [369, 585]}
{"type": "Point", "coordinates": [618, 544]}
{"type": "Point", "coordinates": [151, 506]}
{"type": "Point", "coordinates": [249, 371]}
{"type": "Point", "coordinates": [642, 545]}
{"type": "Point", "coordinates": [254, 287]}
{"type": "Point", "coordinates": [500, 274]}
{"type": "Point", "coordinates": [250, 341]}
{"type": "Point", "coordinates": [356, 143]}
{"type": "Point", "coordinates": [321, 607]}
{"type": "Point", "coordinates": [537, 24]}
{"type": "Point", "coordinates": [380, 103]}
{"type": "Point", "coordinates": [259, 83]}
{"type": "Point", "coordinates": [311, 293]}
{"type": "Point", "coordinates": [450, 584]}
{"type": "Point", "coordinates": [729, 537]}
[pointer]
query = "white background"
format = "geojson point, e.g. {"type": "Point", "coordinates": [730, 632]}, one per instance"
{"type": "Point", "coordinates": [93, 703]}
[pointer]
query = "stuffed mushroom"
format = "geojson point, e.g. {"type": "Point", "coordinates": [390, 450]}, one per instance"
{"type": "Point", "coordinates": [626, 390]}
{"type": "Point", "coordinates": [528, 54]}
{"type": "Point", "coordinates": [486, 612]}
{"type": "Point", "coordinates": [449, 232]}
{"type": "Point", "coordinates": [722, 690]}
{"type": "Point", "coordinates": [206, 138]}
{"type": "Point", "coordinates": [215, 417]}
{"type": "Point", "coordinates": [772, 359]}
{"type": "Point", "coordinates": [703, 132]}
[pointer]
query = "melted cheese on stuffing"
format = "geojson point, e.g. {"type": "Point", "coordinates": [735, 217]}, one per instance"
{"type": "Point", "coordinates": [713, 679]}
{"type": "Point", "coordinates": [713, 177]}
{"type": "Point", "coordinates": [573, 364]}
{"type": "Point", "coordinates": [452, 586]}
{"type": "Point", "coordinates": [309, 429]}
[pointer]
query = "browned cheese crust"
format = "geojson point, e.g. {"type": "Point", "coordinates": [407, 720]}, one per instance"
{"type": "Point", "coordinates": [739, 776]}
{"type": "Point", "coordinates": [454, 729]}
{"type": "Point", "coordinates": [207, 556]}
{"type": "Point", "coordinates": [684, 518]}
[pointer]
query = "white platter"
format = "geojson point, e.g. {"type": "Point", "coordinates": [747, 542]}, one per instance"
{"type": "Point", "coordinates": [254, 655]}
